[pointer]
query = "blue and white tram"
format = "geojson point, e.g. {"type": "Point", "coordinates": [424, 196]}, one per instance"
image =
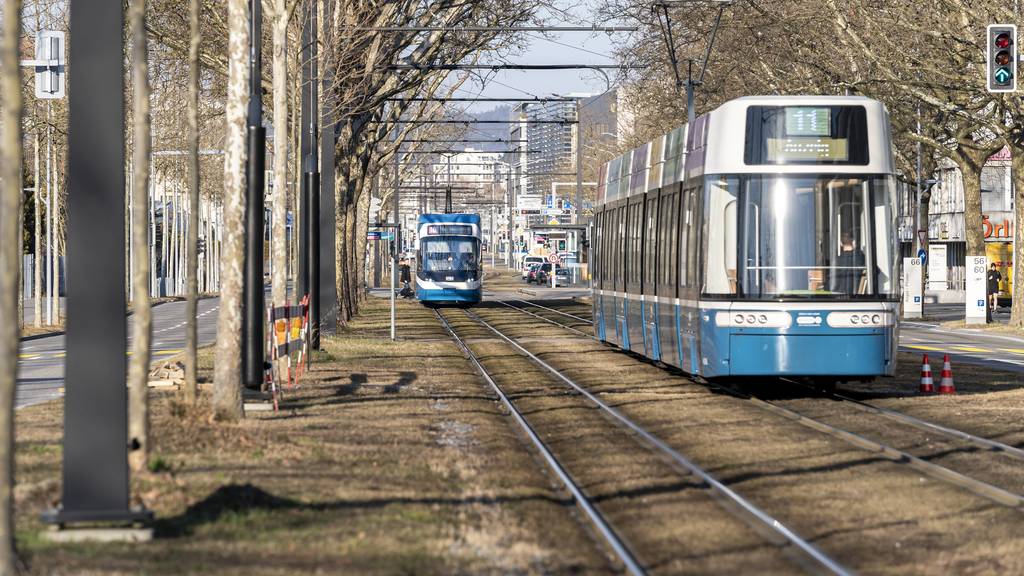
{"type": "Point", "coordinates": [448, 263]}
{"type": "Point", "coordinates": [757, 242]}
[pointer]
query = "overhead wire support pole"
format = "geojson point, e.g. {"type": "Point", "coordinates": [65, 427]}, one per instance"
{"type": "Point", "coordinates": [252, 319]}
{"type": "Point", "coordinates": [312, 184]}
{"type": "Point", "coordinates": [478, 99]}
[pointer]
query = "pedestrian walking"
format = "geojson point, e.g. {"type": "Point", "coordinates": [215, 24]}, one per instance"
{"type": "Point", "coordinates": [405, 272]}
{"type": "Point", "coordinates": [992, 280]}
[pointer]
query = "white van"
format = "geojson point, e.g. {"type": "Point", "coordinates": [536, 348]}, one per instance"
{"type": "Point", "coordinates": [527, 260]}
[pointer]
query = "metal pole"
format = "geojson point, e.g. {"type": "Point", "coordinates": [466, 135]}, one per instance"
{"type": "Point", "coordinates": [917, 215]}
{"type": "Point", "coordinates": [577, 205]}
{"type": "Point", "coordinates": [691, 113]}
{"type": "Point", "coordinates": [254, 302]}
{"type": "Point", "coordinates": [508, 189]}
{"type": "Point", "coordinates": [312, 177]}
{"type": "Point", "coordinates": [493, 246]}
{"type": "Point", "coordinates": [395, 240]}
{"type": "Point", "coordinates": [95, 471]}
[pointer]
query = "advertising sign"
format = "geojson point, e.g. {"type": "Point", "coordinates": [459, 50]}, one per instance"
{"type": "Point", "coordinates": [937, 269]}
{"type": "Point", "coordinates": [912, 297]}
{"type": "Point", "coordinates": [976, 296]}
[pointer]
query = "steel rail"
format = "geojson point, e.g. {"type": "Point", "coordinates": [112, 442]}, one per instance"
{"type": "Point", "coordinates": [993, 445]}
{"type": "Point", "coordinates": [765, 520]}
{"type": "Point", "coordinates": [580, 318]}
{"type": "Point", "coordinates": [979, 487]}
{"type": "Point", "coordinates": [613, 539]}
{"type": "Point", "coordinates": [559, 324]}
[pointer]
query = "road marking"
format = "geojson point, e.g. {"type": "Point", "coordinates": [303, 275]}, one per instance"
{"type": "Point", "coordinates": [971, 349]}
{"type": "Point", "coordinates": [1014, 350]}
{"type": "Point", "coordinates": [29, 356]}
{"type": "Point", "coordinates": [920, 347]}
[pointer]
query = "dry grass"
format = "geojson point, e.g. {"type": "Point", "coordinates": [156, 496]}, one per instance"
{"type": "Point", "coordinates": [389, 459]}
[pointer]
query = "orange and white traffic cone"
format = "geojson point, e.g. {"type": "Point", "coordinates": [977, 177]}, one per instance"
{"type": "Point", "coordinates": [946, 384]}
{"type": "Point", "coordinates": [927, 385]}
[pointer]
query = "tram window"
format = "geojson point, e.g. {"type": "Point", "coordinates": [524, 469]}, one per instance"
{"type": "Point", "coordinates": [667, 258]}
{"type": "Point", "coordinates": [720, 233]}
{"type": "Point", "coordinates": [814, 236]}
{"type": "Point", "coordinates": [685, 222]}
{"type": "Point", "coordinates": [651, 244]}
{"type": "Point", "coordinates": [693, 232]}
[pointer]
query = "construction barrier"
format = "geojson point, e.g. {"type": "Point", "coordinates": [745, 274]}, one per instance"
{"type": "Point", "coordinates": [289, 338]}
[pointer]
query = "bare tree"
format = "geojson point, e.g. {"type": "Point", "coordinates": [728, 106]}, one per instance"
{"type": "Point", "coordinates": [10, 216]}
{"type": "Point", "coordinates": [142, 316]}
{"type": "Point", "coordinates": [227, 376]}
{"type": "Point", "coordinates": [192, 248]}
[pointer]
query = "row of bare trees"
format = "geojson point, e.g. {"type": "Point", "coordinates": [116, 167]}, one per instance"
{"type": "Point", "coordinates": [925, 61]}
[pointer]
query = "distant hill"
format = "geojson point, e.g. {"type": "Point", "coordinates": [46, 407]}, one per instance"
{"type": "Point", "coordinates": [488, 131]}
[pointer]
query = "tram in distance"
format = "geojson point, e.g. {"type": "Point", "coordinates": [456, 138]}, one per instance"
{"type": "Point", "coordinates": [758, 242]}
{"type": "Point", "coordinates": [448, 263]}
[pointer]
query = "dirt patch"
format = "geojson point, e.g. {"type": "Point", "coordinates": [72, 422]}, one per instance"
{"type": "Point", "coordinates": [391, 458]}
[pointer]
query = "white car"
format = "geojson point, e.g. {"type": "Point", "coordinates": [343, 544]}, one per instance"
{"type": "Point", "coordinates": [527, 260]}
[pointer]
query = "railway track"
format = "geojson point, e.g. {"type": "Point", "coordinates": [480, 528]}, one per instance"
{"type": "Point", "coordinates": [777, 533]}
{"type": "Point", "coordinates": [922, 464]}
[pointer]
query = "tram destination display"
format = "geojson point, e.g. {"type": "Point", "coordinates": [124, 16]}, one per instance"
{"type": "Point", "coordinates": [806, 135]}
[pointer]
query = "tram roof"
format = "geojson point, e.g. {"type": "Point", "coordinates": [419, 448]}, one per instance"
{"type": "Point", "coordinates": [462, 218]}
{"type": "Point", "coordinates": [716, 149]}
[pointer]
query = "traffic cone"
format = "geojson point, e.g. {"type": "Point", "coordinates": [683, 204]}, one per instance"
{"type": "Point", "coordinates": [946, 384]}
{"type": "Point", "coordinates": [927, 386]}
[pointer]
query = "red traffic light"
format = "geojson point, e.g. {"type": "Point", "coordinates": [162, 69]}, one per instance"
{"type": "Point", "coordinates": [1003, 40]}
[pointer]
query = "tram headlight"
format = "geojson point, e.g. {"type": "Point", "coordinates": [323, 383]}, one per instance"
{"type": "Point", "coordinates": [762, 319]}
{"type": "Point", "coordinates": [739, 318]}
{"type": "Point", "coordinates": [865, 319]}
{"type": "Point", "coordinates": [751, 319]}
{"type": "Point", "coordinates": [876, 319]}
{"type": "Point", "coordinates": [854, 319]}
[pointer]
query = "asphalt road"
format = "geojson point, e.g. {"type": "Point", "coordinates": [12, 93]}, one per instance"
{"type": "Point", "coordinates": [41, 361]}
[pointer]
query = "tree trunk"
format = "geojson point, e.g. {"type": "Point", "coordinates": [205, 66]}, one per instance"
{"type": "Point", "coordinates": [279, 224]}
{"type": "Point", "coordinates": [142, 319]}
{"type": "Point", "coordinates": [1017, 311]}
{"type": "Point", "coordinates": [192, 250]}
{"type": "Point", "coordinates": [362, 226]}
{"type": "Point", "coordinates": [970, 170]}
{"type": "Point", "coordinates": [227, 375]}
{"type": "Point", "coordinates": [10, 198]}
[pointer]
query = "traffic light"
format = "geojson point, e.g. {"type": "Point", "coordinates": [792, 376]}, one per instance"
{"type": "Point", "coordinates": [561, 245]}
{"type": "Point", "coordinates": [1002, 58]}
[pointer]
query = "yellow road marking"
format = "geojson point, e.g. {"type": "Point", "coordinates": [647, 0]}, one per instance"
{"type": "Point", "coordinates": [971, 349]}
{"type": "Point", "coordinates": [919, 347]}
{"type": "Point", "coordinates": [1014, 350]}
{"type": "Point", "coordinates": [60, 355]}
{"type": "Point", "coordinates": [28, 356]}
{"type": "Point", "coordinates": [167, 351]}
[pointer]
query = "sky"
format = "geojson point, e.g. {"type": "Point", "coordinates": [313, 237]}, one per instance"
{"type": "Point", "coordinates": [553, 48]}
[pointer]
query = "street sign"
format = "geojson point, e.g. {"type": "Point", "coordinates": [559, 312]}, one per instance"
{"type": "Point", "coordinates": [553, 222]}
{"type": "Point", "coordinates": [976, 300]}
{"type": "Point", "coordinates": [373, 235]}
{"type": "Point", "coordinates": [49, 64]}
{"type": "Point", "coordinates": [912, 299]}
{"type": "Point", "coordinates": [923, 256]}
{"type": "Point", "coordinates": [553, 258]}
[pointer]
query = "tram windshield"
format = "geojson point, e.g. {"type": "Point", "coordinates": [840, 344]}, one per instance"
{"type": "Point", "coordinates": [449, 253]}
{"type": "Point", "coordinates": [807, 236]}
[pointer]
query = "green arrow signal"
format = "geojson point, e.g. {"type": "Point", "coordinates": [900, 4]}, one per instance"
{"type": "Point", "coordinates": [1003, 76]}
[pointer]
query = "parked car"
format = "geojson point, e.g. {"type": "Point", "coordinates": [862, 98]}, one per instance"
{"type": "Point", "coordinates": [528, 261]}
{"type": "Point", "coordinates": [531, 272]}
{"type": "Point", "coordinates": [543, 276]}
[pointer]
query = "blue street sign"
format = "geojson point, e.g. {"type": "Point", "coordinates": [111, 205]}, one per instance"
{"type": "Point", "coordinates": [917, 299]}
{"type": "Point", "coordinates": [981, 302]}
{"type": "Point", "coordinates": [923, 256]}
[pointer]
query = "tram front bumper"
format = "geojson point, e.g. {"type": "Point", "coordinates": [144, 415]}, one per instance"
{"type": "Point", "coordinates": [809, 355]}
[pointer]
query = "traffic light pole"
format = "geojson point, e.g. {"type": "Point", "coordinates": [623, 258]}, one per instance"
{"type": "Point", "coordinates": [252, 318]}
{"type": "Point", "coordinates": [311, 180]}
